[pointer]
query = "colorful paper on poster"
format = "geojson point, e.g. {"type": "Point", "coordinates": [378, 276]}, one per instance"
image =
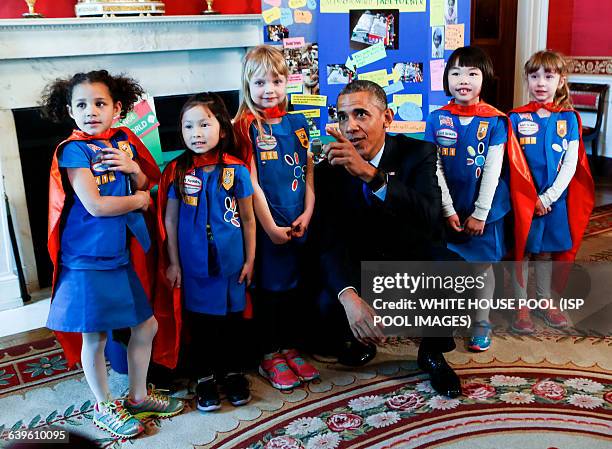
{"type": "Point", "coordinates": [295, 78]}
{"type": "Point", "coordinates": [436, 69]}
{"type": "Point", "coordinates": [406, 127]}
{"type": "Point", "coordinates": [296, 88]}
{"type": "Point", "coordinates": [286, 17]}
{"type": "Point", "coordinates": [271, 15]}
{"type": "Point", "coordinates": [302, 16]}
{"type": "Point", "coordinates": [309, 100]}
{"type": "Point", "coordinates": [273, 2]}
{"type": "Point", "coordinates": [410, 112]}
{"type": "Point", "coordinates": [379, 77]}
{"type": "Point", "coordinates": [367, 56]}
{"type": "Point", "coordinates": [434, 107]}
{"type": "Point", "coordinates": [343, 6]}
{"type": "Point", "coordinates": [293, 42]}
{"type": "Point", "coordinates": [297, 4]}
{"type": "Point", "coordinates": [395, 87]}
{"type": "Point", "coordinates": [454, 36]}
{"type": "Point", "coordinates": [410, 98]}
{"type": "Point", "coordinates": [436, 12]}
{"type": "Point", "coordinates": [312, 4]}
{"type": "Point", "coordinates": [308, 113]}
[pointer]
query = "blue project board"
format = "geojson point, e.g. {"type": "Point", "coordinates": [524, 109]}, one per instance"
{"type": "Point", "coordinates": [344, 30]}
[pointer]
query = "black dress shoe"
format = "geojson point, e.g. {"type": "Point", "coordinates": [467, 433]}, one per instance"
{"type": "Point", "coordinates": [442, 377]}
{"type": "Point", "coordinates": [354, 353]}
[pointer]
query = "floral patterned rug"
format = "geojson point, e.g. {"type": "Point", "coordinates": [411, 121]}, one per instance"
{"type": "Point", "coordinates": [553, 391]}
{"type": "Point", "coordinates": [405, 412]}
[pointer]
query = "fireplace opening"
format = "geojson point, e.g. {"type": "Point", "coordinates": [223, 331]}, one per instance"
{"type": "Point", "coordinates": [37, 139]}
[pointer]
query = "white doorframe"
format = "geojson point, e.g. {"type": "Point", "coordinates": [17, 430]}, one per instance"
{"type": "Point", "coordinates": [531, 36]}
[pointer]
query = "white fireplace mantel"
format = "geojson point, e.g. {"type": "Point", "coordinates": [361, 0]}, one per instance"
{"type": "Point", "coordinates": [168, 55]}
{"type": "Point", "coordinates": [49, 38]}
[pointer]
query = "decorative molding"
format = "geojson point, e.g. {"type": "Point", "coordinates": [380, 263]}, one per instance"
{"type": "Point", "coordinates": [590, 65]}
{"type": "Point", "coordinates": [532, 29]}
{"type": "Point", "coordinates": [50, 38]}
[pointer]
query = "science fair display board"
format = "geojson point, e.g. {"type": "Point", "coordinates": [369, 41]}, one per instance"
{"type": "Point", "coordinates": [402, 45]}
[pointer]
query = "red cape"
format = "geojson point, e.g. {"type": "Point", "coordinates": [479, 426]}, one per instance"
{"type": "Point", "coordinates": [167, 302]}
{"type": "Point", "coordinates": [243, 137]}
{"type": "Point", "coordinates": [581, 190]}
{"type": "Point", "coordinates": [523, 195]}
{"type": "Point", "coordinates": [143, 263]}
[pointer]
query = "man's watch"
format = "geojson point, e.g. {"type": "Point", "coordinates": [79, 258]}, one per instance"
{"type": "Point", "coordinates": [379, 180]}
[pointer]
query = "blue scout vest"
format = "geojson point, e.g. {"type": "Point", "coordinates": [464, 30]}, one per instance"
{"type": "Point", "coordinates": [463, 151]}
{"type": "Point", "coordinates": [545, 141]}
{"type": "Point", "coordinates": [209, 230]}
{"type": "Point", "coordinates": [281, 168]}
{"type": "Point", "coordinates": [101, 237]}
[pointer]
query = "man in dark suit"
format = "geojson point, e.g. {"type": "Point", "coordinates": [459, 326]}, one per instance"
{"type": "Point", "coordinates": [377, 199]}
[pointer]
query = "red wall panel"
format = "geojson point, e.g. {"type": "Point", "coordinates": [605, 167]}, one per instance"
{"type": "Point", "coordinates": [560, 26]}
{"type": "Point", "coordinates": [580, 27]}
{"type": "Point", "coordinates": [10, 9]}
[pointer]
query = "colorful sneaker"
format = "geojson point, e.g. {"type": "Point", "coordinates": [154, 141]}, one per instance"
{"type": "Point", "coordinates": [207, 396]}
{"type": "Point", "coordinates": [113, 417]}
{"type": "Point", "coordinates": [236, 389]}
{"type": "Point", "coordinates": [278, 373]}
{"type": "Point", "coordinates": [522, 323]}
{"type": "Point", "coordinates": [481, 336]}
{"type": "Point", "coordinates": [304, 370]}
{"type": "Point", "coordinates": [553, 318]}
{"type": "Point", "coordinates": [156, 404]}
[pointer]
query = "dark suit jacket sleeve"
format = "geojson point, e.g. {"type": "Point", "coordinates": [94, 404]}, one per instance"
{"type": "Point", "coordinates": [413, 193]}
{"type": "Point", "coordinates": [330, 232]}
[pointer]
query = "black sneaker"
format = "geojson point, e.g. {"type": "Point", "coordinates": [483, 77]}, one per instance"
{"type": "Point", "coordinates": [207, 395]}
{"type": "Point", "coordinates": [236, 389]}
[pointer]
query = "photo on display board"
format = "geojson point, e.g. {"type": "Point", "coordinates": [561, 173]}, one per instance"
{"type": "Point", "coordinates": [314, 126]}
{"type": "Point", "coordinates": [332, 114]}
{"type": "Point", "coordinates": [437, 42]}
{"type": "Point", "coordinates": [369, 27]}
{"type": "Point", "coordinates": [450, 12]}
{"type": "Point", "coordinates": [410, 72]}
{"type": "Point", "coordinates": [339, 74]}
{"type": "Point", "coordinates": [275, 33]}
{"type": "Point", "coordinates": [305, 61]}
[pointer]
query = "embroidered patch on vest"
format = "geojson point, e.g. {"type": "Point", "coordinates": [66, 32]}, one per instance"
{"type": "Point", "coordinates": [126, 148]}
{"type": "Point", "coordinates": [105, 179]}
{"type": "Point", "coordinates": [190, 200]}
{"type": "Point", "coordinates": [526, 116]}
{"type": "Point", "coordinates": [227, 178]}
{"type": "Point", "coordinates": [446, 121]}
{"type": "Point", "coordinates": [301, 134]}
{"type": "Point", "coordinates": [562, 128]}
{"type": "Point", "coordinates": [482, 130]}
{"type": "Point", "coordinates": [268, 155]}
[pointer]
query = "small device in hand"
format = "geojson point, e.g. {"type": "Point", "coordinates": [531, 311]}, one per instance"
{"type": "Point", "coordinates": [316, 148]}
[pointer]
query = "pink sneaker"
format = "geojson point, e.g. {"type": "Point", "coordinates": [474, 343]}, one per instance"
{"type": "Point", "coordinates": [278, 373]}
{"type": "Point", "coordinates": [554, 318]}
{"type": "Point", "coordinates": [523, 323]}
{"type": "Point", "coordinates": [301, 367]}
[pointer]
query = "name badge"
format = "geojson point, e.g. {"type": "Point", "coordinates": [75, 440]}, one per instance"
{"type": "Point", "coordinates": [266, 142]}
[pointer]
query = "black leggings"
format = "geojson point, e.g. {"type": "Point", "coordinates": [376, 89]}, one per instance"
{"type": "Point", "coordinates": [281, 318]}
{"type": "Point", "coordinates": [217, 344]}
